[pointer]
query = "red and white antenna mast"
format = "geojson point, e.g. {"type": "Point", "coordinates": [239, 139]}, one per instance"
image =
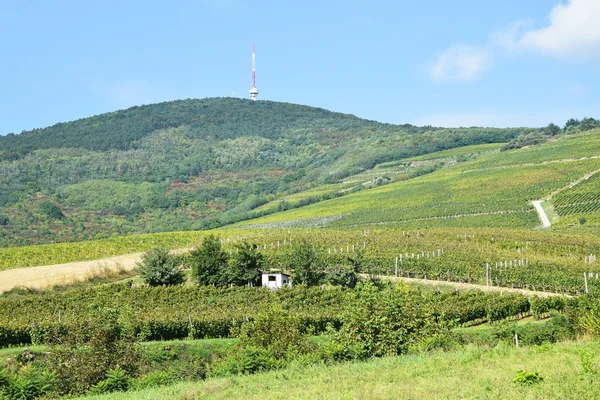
{"type": "Point", "coordinates": [254, 90]}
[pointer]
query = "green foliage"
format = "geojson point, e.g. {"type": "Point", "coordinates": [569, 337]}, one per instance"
{"type": "Point", "coordinates": [209, 262]}
{"type": "Point", "coordinates": [306, 263]}
{"type": "Point", "coordinates": [106, 356]}
{"type": "Point", "coordinates": [195, 164]}
{"type": "Point", "coordinates": [384, 322]}
{"type": "Point", "coordinates": [116, 381]}
{"type": "Point", "coordinates": [30, 382]}
{"type": "Point", "coordinates": [51, 210]}
{"type": "Point", "coordinates": [154, 379]}
{"type": "Point", "coordinates": [246, 265]}
{"type": "Point", "coordinates": [588, 362]}
{"type": "Point", "coordinates": [276, 330]}
{"type": "Point", "coordinates": [4, 220]}
{"type": "Point", "coordinates": [247, 360]}
{"type": "Point", "coordinates": [552, 129]}
{"type": "Point", "coordinates": [158, 267]}
{"type": "Point", "coordinates": [527, 378]}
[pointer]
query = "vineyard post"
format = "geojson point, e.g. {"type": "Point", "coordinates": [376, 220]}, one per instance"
{"type": "Point", "coordinates": [517, 340]}
{"type": "Point", "coordinates": [585, 281]}
{"type": "Point", "coordinates": [487, 274]}
{"type": "Point", "coordinates": [396, 269]}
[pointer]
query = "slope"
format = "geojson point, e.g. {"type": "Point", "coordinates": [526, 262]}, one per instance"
{"type": "Point", "coordinates": [191, 164]}
{"type": "Point", "coordinates": [495, 189]}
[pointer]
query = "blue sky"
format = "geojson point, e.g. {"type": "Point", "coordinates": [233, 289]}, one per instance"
{"type": "Point", "coordinates": [464, 62]}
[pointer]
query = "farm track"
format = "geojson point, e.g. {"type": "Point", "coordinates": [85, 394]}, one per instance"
{"type": "Point", "coordinates": [538, 203]}
{"type": "Point", "coordinates": [59, 274]}
{"type": "Point", "coordinates": [470, 286]}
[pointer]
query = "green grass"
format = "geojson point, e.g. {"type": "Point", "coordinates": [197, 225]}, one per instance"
{"type": "Point", "coordinates": [473, 372]}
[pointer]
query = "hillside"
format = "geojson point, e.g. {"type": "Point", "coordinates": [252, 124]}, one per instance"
{"type": "Point", "coordinates": [493, 189]}
{"type": "Point", "coordinates": [192, 164]}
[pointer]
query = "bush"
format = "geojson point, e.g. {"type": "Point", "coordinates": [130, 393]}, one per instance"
{"type": "Point", "coordinates": [527, 378]}
{"type": "Point", "coordinates": [248, 360]}
{"type": "Point", "coordinates": [116, 381]}
{"type": "Point", "coordinates": [154, 379]}
{"type": "Point", "coordinates": [275, 330]}
{"type": "Point", "coordinates": [384, 322]}
{"type": "Point", "coordinates": [4, 220]}
{"type": "Point", "coordinates": [80, 367]}
{"type": "Point", "coordinates": [158, 268]}
{"type": "Point", "coordinates": [51, 210]}
{"type": "Point", "coordinates": [29, 383]}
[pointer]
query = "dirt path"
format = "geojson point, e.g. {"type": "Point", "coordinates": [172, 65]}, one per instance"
{"type": "Point", "coordinates": [50, 275]}
{"type": "Point", "coordinates": [467, 286]}
{"type": "Point", "coordinates": [543, 217]}
{"type": "Point", "coordinates": [58, 274]}
{"type": "Point", "coordinates": [538, 203]}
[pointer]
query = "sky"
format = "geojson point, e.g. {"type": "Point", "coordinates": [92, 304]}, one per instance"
{"type": "Point", "coordinates": [442, 63]}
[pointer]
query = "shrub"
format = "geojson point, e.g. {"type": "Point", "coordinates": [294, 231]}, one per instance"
{"type": "Point", "coordinates": [51, 210]}
{"type": "Point", "coordinates": [80, 367]}
{"type": "Point", "coordinates": [158, 268]}
{"type": "Point", "coordinates": [275, 330]}
{"type": "Point", "coordinates": [116, 381]}
{"type": "Point", "coordinates": [4, 220]}
{"type": "Point", "coordinates": [154, 379]}
{"type": "Point", "coordinates": [527, 378]}
{"type": "Point", "coordinates": [248, 360]}
{"type": "Point", "coordinates": [384, 322]}
{"type": "Point", "coordinates": [29, 383]}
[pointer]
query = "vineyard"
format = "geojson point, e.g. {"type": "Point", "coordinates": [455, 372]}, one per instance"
{"type": "Point", "coordinates": [546, 261]}
{"type": "Point", "coordinates": [165, 313]}
{"type": "Point", "coordinates": [583, 198]}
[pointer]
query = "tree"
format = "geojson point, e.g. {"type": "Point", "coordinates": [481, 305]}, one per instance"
{"type": "Point", "coordinates": [571, 123]}
{"type": "Point", "coordinates": [306, 264]}
{"type": "Point", "coordinates": [246, 265]}
{"type": "Point", "coordinates": [208, 262]}
{"type": "Point", "coordinates": [158, 268]}
{"type": "Point", "coordinates": [346, 276]}
{"type": "Point", "coordinates": [51, 210]}
{"type": "Point", "coordinates": [552, 129]}
{"type": "Point", "coordinates": [588, 123]}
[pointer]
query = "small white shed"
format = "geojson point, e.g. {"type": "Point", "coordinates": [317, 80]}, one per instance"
{"type": "Point", "coordinates": [275, 280]}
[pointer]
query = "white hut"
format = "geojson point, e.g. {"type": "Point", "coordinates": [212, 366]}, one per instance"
{"type": "Point", "coordinates": [275, 280]}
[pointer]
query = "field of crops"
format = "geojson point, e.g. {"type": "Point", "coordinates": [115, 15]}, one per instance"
{"type": "Point", "coordinates": [177, 312]}
{"type": "Point", "coordinates": [583, 198]}
{"type": "Point", "coordinates": [548, 261]}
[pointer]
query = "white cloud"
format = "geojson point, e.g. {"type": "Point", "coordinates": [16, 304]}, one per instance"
{"type": "Point", "coordinates": [574, 30]}
{"type": "Point", "coordinates": [460, 63]}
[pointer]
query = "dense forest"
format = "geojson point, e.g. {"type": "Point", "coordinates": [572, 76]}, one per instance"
{"type": "Point", "coordinates": [191, 164]}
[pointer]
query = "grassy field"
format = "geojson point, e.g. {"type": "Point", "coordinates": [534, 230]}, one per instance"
{"type": "Point", "coordinates": [474, 373]}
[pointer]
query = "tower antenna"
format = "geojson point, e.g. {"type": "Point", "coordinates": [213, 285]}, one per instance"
{"type": "Point", "coordinates": [254, 90]}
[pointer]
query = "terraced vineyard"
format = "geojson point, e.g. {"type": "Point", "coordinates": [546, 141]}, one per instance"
{"type": "Point", "coordinates": [583, 198]}
{"type": "Point", "coordinates": [493, 189]}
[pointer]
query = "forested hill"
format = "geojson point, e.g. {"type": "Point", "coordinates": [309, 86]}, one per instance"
{"type": "Point", "coordinates": [220, 118]}
{"type": "Point", "coordinates": [191, 164]}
